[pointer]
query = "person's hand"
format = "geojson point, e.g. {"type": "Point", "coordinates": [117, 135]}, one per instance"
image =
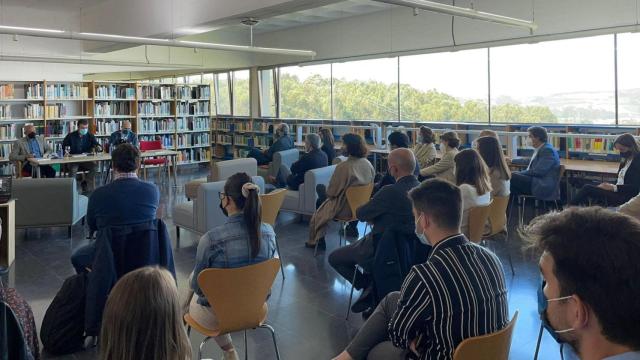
{"type": "Point", "coordinates": [412, 346]}
{"type": "Point", "coordinates": [606, 186]}
{"type": "Point", "coordinates": [30, 156]}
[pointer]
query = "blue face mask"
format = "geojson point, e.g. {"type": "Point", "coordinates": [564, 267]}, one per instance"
{"type": "Point", "coordinates": [422, 237]}
{"type": "Point", "coordinates": [84, 131]}
{"type": "Point", "coordinates": [543, 302]}
{"type": "Point", "coordinates": [125, 131]}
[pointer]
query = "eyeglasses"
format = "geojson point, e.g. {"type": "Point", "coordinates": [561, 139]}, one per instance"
{"type": "Point", "coordinates": [221, 195]}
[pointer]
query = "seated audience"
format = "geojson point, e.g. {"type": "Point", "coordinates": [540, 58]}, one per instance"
{"type": "Point", "coordinates": [425, 148]}
{"type": "Point", "coordinates": [397, 140]}
{"type": "Point", "coordinates": [499, 173]}
{"type": "Point", "coordinates": [126, 200]}
{"type": "Point", "coordinates": [443, 169]}
{"type": "Point", "coordinates": [458, 293]}
{"type": "Point", "coordinates": [32, 146]}
{"type": "Point", "coordinates": [243, 240]}
{"type": "Point", "coordinates": [541, 176]}
{"type": "Point", "coordinates": [354, 171]}
{"type": "Point", "coordinates": [472, 176]}
{"type": "Point", "coordinates": [328, 144]}
{"type": "Point", "coordinates": [389, 206]}
{"type": "Point", "coordinates": [314, 158]}
{"type": "Point", "coordinates": [143, 319]}
{"type": "Point", "coordinates": [282, 141]}
{"type": "Point", "coordinates": [124, 135]}
{"type": "Point", "coordinates": [82, 141]}
{"type": "Point", "coordinates": [628, 183]}
{"type": "Point", "coordinates": [589, 297]}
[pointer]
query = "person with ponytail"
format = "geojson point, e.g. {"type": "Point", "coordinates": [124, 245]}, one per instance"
{"type": "Point", "coordinates": [243, 240]}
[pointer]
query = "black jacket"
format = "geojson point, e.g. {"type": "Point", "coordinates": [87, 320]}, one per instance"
{"type": "Point", "coordinates": [389, 206]}
{"type": "Point", "coordinates": [330, 151]}
{"type": "Point", "coordinates": [312, 160]}
{"type": "Point", "coordinates": [78, 146]}
{"type": "Point", "coordinates": [631, 185]}
{"type": "Point", "coordinates": [387, 179]}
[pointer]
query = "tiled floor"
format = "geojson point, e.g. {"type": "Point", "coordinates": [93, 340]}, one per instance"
{"type": "Point", "coordinates": [307, 308]}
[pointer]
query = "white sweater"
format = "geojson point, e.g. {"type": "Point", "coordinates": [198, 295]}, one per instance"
{"type": "Point", "coordinates": [470, 199]}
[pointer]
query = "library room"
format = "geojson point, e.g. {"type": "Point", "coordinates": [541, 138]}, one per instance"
{"type": "Point", "coordinates": [321, 180]}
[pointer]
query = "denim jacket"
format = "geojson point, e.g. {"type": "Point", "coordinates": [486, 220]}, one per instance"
{"type": "Point", "coordinates": [227, 246]}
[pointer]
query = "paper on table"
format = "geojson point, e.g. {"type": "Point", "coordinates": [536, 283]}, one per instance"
{"type": "Point", "coordinates": [78, 155]}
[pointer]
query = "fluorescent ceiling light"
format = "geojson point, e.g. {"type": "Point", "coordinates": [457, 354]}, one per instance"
{"type": "Point", "coordinates": [123, 37]}
{"type": "Point", "coordinates": [30, 29]}
{"type": "Point", "coordinates": [464, 12]}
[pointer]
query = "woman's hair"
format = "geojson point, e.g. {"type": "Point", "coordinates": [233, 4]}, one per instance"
{"type": "Point", "coordinates": [327, 137]}
{"type": "Point", "coordinates": [355, 145]}
{"type": "Point", "coordinates": [491, 151]}
{"type": "Point", "coordinates": [451, 138]}
{"type": "Point", "coordinates": [143, 319]}
{"type": "Point", "coordinates": [428, 137]}
{"type": "Point", "coordinates": [247, 199]}
{"type": "Point", "coordinates": [487, 132]}
{"type": "Point", "coordinates": [627, 140]}
{"type": "Point", "coordinates": [471, 169]}
{"type": "Point", "coordinates": [398, 139]}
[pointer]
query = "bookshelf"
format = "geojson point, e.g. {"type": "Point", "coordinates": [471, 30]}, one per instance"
{"type": "Point", "coordinates": [114, 102]}
{"type": "Point", "coordinates": [64, 104]}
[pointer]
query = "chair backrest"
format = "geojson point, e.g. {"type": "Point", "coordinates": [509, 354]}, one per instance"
{"type": "Point", "coordinates": [59, 194]}
{"type": "Point", "coordinates": [150, 145]}
{"type": "Point", "coordinates": [312, 179]}
{"type": "Point", "coordinates": [238, 295]}
{"type": "Point", "coordinates": [478, 217]}
{"type": "Point", "coordinates": [271, 204]}
{"type": "Point", "coordinates": [493, 346]}
{"type": "Point", "coordinates": [284, 157]}
{"type": "Point", "coordinates": [222, 170]}
{"type": "Point", "coordinates": [498, 214]}
{"type": "Point", "coordinates": [358, 196]}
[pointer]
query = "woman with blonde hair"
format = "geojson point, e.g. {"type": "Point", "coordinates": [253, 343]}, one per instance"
{"type": "Point", "coordinates": [143, 320]}
{"type": "Point", "coordinates": [499, 173]}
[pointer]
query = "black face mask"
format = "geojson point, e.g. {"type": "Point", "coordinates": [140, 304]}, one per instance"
{"type": "Point", "coordinates": [626, 154]}
{"type": "Point", "coordinates": [224, 210]}
{"type": "Point", "coordinates": [31, 135]}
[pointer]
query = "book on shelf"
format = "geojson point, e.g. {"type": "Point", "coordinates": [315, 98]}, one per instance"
{"type": "Point", "coordinates": [5, 111]}
{"type": "Point", "coordinates": [156, 125]}
{"type": "Point", "coordinates": [224, 139]}
{"type": "Point", "coordinates": [196, 139]}
{"type": "Point", "coordinates": [591, 145]}
{"type": "Point", "coordinates": [113, 91]}
{"type": "Point", "coordinates": [194, 155]}
{"type": "Point", "coordinates": [224, 125]}
{"type": "Point", "coordinates": [193, 124]}
{"type": "Point", "coordinates": [7, 91]}
{"type": "Point", "coordinates": [200, 92]}
{"type": "Point", "coordinates": [199, 108]}
{"type": "Point", "coordinates": [67, 91]}
{"type": "Point", "coordinates": [107, 127]}
{"type": "Point", "coordinates": [155, 92]}
{"type": "Point", "coordinates": [8, 132]}
{"type": "Point", "coordinates": [55, 110]}
{"type": "Point", "coordinates": [5, 150]}
{"type": "Point", "coordinates": [147, 108]}
{"type": "Point", "coordinates": [33, 111]}
{"type": "Point", "coordinates": [33, 91]}
{"type": "Point", "coordinates": [60, 128]}
{"type": "Point", "coordinates": [112, 108]}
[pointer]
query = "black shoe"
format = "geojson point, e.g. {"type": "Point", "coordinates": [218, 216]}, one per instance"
{"type": "Point", "coordinates": [364, 302]}
{"type": "Point", "coordinates": [352, 231]}
{"type": "Point", "coordinates": [362, 281]}
{"type": "Point", "coordinates": [322, 245]}
{"type": "Point", "coordinates": [367, 313]}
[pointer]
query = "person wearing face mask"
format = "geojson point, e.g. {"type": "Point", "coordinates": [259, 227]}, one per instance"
{"type": "Point", "coordinates": [443, 169]}
{"type": "Point", "coordinates": [425, 148]}
{"type": "Point", "coordinates": [124, 135]}
{"type": "Point", "coordinates": [389, 206]}
{"type": "Point", "coordinates": [32, 146]}
{"type": "Point", "coordinates": [541, 177]}
{"type": "Point", "coordinates": [458, 293]}
{"type": "Point", "coordinates": [589, 295]}
{"type": "Point", "coordinates": [628, 184]}
{"type": "Point", "coordinates": [396, 140]}
{"type": "Point", "coordinates": [313, 158]}
{"type": "Point", "coordinates": [282, 141]}
{"type": "Point", "coordinates": [82, 141]}
{"type": "Point", "coordinates": [243, 240]}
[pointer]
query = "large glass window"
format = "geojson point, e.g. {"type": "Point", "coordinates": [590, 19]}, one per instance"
{"type": "Point", "coordinates": [223, 99]}
{"type": "Point", "coordinates": [267, 80]}
{"type": "Point", "coordinates": [305, 92]}
{"type": "Point", "coordinates": [194, 79]}
{"type": "Point", "coordinates": [564, 81]}
{"type": "Point", "coordinates": [629, 79]}
{"type": "Point", "coordinates": [241, 91]}
{"type": "Point", "coordinates": [366, 89]}
{"type": "Point", "coordinates": [451, 86]}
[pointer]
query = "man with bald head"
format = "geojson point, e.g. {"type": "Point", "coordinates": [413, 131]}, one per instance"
{"type": "Point", "coordinates": [389, 206]}
{"type": "Point", "coordinates": [32, 146]}
{"type": "Point", "coordinates": [123, 136]}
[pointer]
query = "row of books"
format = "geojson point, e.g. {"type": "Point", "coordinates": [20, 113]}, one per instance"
{"type": "Point", "coordinates": [5, 111]}
{"type": "Point", "coordinates": [196, 139]}
{"type": "Point", "coordinates": [106, 127]}
{"type": "Point", "coordinates": [167, 140]}
{"type": "Point", "coordinates": [5, 150]}
{"type": "Point", "coordinates": [597, 145]}
{"type": "Point", "coordinates": [112, 108]}
{"type": "Point", "coordinates": [67, 91]}
{"type": "Point", "coordinates": [193, 155]}
{"type": "Point", "coordinates": [155, 92]}
{"type": "Point", "coordinates": [147, 108]}
{"type": "Point", "coordinates": [8, 132]}
{"type": "Point", "coordinates": [156, 125]}
{"type": "Point", "coordinates": [224, 125]}
{"type": "Point", "coordinates": [224, 139]}
{"type": "Point", "coordinates": [192, 124]}
{"type": "Point", "coordinates": [115, 92]}
{"type": "Point", "coordinates": [60, 128]}
{"type": "Point", "coordinates": [190, 92]}
{"type": "Point", "coordinates": [31, 91]}
{"type": "Point", "coordinates": [252, 126]}
{"type": "Point", "coordinates": [245, 140]}
{"type": "Point", "coordinates": [55, 110]}
{"type": "Point", "coordinates": [199, 108]}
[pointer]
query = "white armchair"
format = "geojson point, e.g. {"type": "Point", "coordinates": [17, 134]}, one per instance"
{"type": "Point", "coordinates": [303, 201]}
{"type": "Point", "coordinates": [222, 170]}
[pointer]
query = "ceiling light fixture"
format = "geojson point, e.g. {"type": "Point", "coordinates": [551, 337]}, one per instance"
{"type": "Point", "coordinates": [464, 12]}
{"type": "Point", "coordinates": [15, 29]}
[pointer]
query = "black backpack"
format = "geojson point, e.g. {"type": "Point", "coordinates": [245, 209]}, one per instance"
{"type": "Point", "coordinates": [62, 330]}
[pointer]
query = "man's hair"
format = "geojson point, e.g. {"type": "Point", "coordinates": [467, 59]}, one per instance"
{"type": "Point", "coordinates": [83, 122]}
{"type": "Point", "coordinates": [125, 158]}
{"type": "Point", "coordinates": [314, 141]}
{"type": "Point", "coordinates": [451, 138]}
{"type": "Point", "coordinates": [398, 139]}
{"type": "Point", "coordinates": [596, 252]}
{"type": "Point", "coordinates": [539, 133]}
{"type": "Point", "coordinates": [283, 128]}
{"type": "Point", "coordinates": [440, 200]}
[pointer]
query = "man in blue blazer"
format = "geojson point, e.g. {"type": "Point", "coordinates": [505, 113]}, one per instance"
{"type": "Point", "coordinates": [541, 177]}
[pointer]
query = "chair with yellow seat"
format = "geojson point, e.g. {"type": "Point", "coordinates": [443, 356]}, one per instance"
{"type": "Point", "coordinates": [493, 346]}
{"type": "Point", "coordinates": [271, 204]}
{"type": "Point", "coordinates": [356, 197]}
{"type": "Point", "coordinates": [498, 222]}
{"type": "Point", "coordinates": [238, 298]}
{"type": "Point", "coordinates": [478, 217]}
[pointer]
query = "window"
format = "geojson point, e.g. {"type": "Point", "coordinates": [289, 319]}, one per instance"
{"type": "Point", "coordinates": [366, 89]}
{"type": "Point", "coordinates": [628, 79]}
{"type": "Point", "coordinates": [564, 81]}
{"type": "Point", "coordinates": [267, 80]}
{"type": "Point", "coordinates": [451, 86]}
{"type": "Point", "coordinates": [167, 80]}
{"type": "Point", "coordinates": [194, 79]}
{"type": "Point", "coordinates": [241, 101]}
{"type": "Point", "coordinates": [305, 92]}
{"type": "Point", "coordinates": [223, 94]}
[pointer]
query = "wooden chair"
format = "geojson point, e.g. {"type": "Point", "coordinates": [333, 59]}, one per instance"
{"type": "Point", "coordinates": [271, 204]}
{"type": "Point", "coordinates": [478, 217]}
{"type": "Point", "coordinates": [493, 346]}
{"type": "Point", "coordinates": [238, 298]}
{"type": "Point", "coordinates": [356, 197]}
{"type": "Point", "coordinates": [498, 222]}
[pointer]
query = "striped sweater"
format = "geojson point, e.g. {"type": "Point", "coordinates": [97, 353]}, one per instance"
{"type": "Point", "coordinates": [458, 293]}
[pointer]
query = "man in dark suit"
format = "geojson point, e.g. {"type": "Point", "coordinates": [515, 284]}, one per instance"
{"type": "Point", "coordinates": [82, 141]}
{"type": "Point", "coordinates": [282, 142]}
{"type": "Point", "coordinates": [314, 158]}
{"type": "Point", "coordinates": [389, 206]}
{"type": "Point", "coordinates": [124, 135]}
{"type": "Point", "coordinates": [541, 177]}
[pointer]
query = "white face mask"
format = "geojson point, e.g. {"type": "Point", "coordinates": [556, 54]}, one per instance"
{"type": "Point", "coordinates": [421, 236]}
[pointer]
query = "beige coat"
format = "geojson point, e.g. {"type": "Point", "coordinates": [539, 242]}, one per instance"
{"type": "Point", "coordinates": [443, 169]}
{"type": "Point", "coordinates": [425, 154]}
{"type": "Point", "coordinates": [352, 172]}
{"type": "Point", "coordinates": [631, 207]}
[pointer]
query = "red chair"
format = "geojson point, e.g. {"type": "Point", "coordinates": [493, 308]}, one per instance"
{"type": "Point", "coordinates": [152, 145]}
